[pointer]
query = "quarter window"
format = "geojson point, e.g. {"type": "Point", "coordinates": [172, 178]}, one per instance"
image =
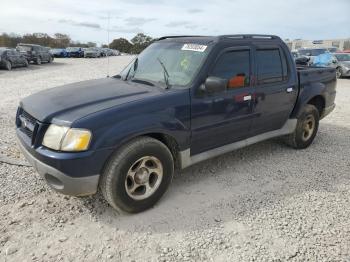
{"type": "Point", "coordinates": [270, 66]}
{"type": "Point", "coordinates": [234, 66]}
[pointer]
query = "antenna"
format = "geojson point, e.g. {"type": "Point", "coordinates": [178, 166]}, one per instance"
{"type": "Point", "coordinates": [108, 46]}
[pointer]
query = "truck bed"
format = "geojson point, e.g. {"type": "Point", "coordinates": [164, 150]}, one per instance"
{"type": "Point", "coordinates": [309, 74]}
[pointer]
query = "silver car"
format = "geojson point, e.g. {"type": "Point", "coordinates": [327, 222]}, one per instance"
{"type": "Point", "coordinates": [93, 52]}
{"type": "Point", "coordinates": [343, 60]}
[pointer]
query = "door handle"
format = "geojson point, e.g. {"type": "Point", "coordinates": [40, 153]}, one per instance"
{"type": "Point", "coordinates": [247, 98]}
{"type": "Point", "coordinates": [289, 89]}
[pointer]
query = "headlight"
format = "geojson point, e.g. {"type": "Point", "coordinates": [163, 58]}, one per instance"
{"type": "Point", "coordinates": [67, 139]}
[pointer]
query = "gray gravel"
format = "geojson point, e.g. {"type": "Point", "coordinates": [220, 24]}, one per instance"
{"type": "Point", "coordinates": [266, 202]}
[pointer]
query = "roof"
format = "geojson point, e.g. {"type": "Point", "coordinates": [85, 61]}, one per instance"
{"type": "Point", "coordinates": [28, 44]}
{"type": "Point", "coordinates": [208, 39]}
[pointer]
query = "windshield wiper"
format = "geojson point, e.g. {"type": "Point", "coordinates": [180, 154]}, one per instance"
{"type": "Point", "coordinates": [165, 74]}
{"type": "Point", "coordinates": [142, 81]}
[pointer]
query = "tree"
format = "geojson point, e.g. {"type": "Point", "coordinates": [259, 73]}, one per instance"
{"type": "Point", "coordinates": [140, 42]}
{"type": "Point", "coordinates": [121, 44]}
{"type": "Point", "coordinates": [61, 40]}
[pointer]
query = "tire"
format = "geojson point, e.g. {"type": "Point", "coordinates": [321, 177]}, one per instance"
{"type": "Point", "coordinates": [141, 162]}
{"type": "Point", "coordinates": [50, 59]}
{"type": "Point", "coordinates": [338, 72]}
{"type": "Point", "coordinates": [26, 63]}
{"type": "Point", "coordinates": [8, 65]}
{"type": "Point", "coordinates": [38, 61]}
{"type": "Point", "coordinates": [306, 128]}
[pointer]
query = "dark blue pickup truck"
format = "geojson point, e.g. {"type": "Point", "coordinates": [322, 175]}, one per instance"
{"type": "Point", "coordinates": [183, 100]}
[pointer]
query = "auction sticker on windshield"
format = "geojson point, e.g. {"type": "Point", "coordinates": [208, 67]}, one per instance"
{"type": "Point", "coordinates": [194, 47]}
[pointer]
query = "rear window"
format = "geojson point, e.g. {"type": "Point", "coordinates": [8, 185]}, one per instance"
{"type": "Point", "coordinates": [270, 66]}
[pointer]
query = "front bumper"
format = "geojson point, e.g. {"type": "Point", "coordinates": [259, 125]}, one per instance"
{"type": "Point", "coordinates": [76, 186]}
{"type": "Point", "coordinates": [327, 111]}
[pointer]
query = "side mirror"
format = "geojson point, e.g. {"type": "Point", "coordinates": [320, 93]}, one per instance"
{"type": "Point", "coordinates": [214, 85]}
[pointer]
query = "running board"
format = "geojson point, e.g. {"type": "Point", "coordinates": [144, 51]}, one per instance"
{"type": "Point", "coordinates": [188, 160]}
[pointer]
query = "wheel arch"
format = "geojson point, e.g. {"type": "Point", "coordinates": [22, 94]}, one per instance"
{"type": "Point", "coordinates": [171, 144]}
{"type": "Point", "coordinates": [319, 102]}
{"type": "Point", "coordinates": [168, 140]}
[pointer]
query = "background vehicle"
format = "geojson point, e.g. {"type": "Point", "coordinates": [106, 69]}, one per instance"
{"type": "Point", "coordinates": [183, 100]}
{"type": "Point", "coordinates": [75, 52]}
{"type": "Point", "coordinates": [332, 49]}
{"type": "Point", "coordinates": [35, 53]}
{"type": "Point", "coordinates": [312, 51]}
{"type": "Point", "coordinates": [93, 52]}
{"type": "Point", "coordinates": [59, 52]}
{"type": "Point", "coordinates": [343, 65]}
{"type": "Point", "coordinates": [107, 52]}
{"type": "Point", "coordinates": [10, 58]}
{"type": "Point", "coordinates": [295, 54]}
{"type": "Point", "coordinates": [116, 52]}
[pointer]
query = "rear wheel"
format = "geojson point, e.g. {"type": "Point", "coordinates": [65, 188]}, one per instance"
{"type": "Point", "coordinates": [26, 63]}
{"type": "Point", "coordinates": [137, 175]}
{"type": "Point", "coordinates": [306, 128]}
{"type": "Point", "coordinates": [50, 59]}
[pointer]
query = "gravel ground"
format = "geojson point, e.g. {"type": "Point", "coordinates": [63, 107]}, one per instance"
{"type": "Point", "coordinates": [266, 202]}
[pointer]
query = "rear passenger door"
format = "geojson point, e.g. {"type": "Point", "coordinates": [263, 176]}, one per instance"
{"type": "Point", "coordinates": [276, 91]}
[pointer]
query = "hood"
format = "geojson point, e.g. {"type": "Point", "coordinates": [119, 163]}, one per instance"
{"type": "Point", "coordinates": [344, 63]}
{"type": "Point", "coordinates": [65, 104]}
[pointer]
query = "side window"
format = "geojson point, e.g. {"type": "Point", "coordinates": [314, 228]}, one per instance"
{"type": "Point", "coordinates": [234, 66]}
{"type": "Point", "coordinates": [270, 67]}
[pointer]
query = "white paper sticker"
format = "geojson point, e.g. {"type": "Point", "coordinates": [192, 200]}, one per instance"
{"type": "Point", "coordinates": [194, 47]}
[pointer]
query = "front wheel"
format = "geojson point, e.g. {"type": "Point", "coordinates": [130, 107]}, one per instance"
{"type": "Point", "coordinates": [338, 72]}
{"type": "Point", "coordinates": [306, 128]}
{"type": "Point", "coordinates": [137, 175]}
{"type": "Point", "coordinates": [38, 61]}
{"type": "Point", "coordinates": [8, 65]}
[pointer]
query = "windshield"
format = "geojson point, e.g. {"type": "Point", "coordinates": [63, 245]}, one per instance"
{"type": "Point", "coordinates": [312, 52]}
{"type": "Point", "coordinates": [167, 63]}
{"type": "Point", "coordinates": [24, 48]}
{"type": "Point", "coordinates": [342, 57]}
{"type": "Point", "coordinates": [91, 49]}
{"type": "Point", "coordinates": [72, 49]}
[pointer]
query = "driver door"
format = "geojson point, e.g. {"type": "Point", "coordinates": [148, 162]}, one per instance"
{"type": "Point", "coordinates": [224, 117]}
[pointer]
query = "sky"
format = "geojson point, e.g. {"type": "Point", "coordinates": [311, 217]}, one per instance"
{"type": "Point", "coordinates": [88, 20]}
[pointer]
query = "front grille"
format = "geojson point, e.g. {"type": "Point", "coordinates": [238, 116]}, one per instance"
{"type": "Point", "coordinates": [27, 124]}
